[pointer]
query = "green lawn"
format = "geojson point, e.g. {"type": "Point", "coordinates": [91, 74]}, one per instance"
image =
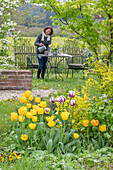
{"type": "Point", "coordinates": [57, 39]}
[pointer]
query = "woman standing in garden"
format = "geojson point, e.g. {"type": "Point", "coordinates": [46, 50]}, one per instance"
{"type": "Point", "coordinates": [42, 42]}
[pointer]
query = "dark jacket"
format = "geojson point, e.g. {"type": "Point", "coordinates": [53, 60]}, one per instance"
{"type": "Point", "coordinates": [45, 42]}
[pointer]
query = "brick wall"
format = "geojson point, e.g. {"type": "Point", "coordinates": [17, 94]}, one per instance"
{"type": "Point", "coordinates": [15, 80]}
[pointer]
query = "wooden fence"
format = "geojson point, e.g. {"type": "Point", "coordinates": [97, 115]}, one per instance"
{"type": "Point", "coordinates": [21, 53]}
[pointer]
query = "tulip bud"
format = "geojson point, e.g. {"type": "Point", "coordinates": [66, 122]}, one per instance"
{"type": "Point", "coordinates": [61, 99]}
{"type": "Point", "coordinates": [71, 94]}
{"type": "Point", "coordinates": [52, 100]}
{"type": "Point", "coordinates": [47, 110]}
{"type": "Point", "coordinates": [72, 102]}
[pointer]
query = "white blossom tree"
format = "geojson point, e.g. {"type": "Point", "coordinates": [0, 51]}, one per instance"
{"type": "Point", "coordinates": [7, 28]}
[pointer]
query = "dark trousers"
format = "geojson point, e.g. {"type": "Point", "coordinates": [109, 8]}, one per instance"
{"type": "Point", "coordinates": [42, 66]}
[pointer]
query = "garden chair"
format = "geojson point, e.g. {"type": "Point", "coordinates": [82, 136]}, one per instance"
{"type": "Point", "coordinates": [30, 64]}
{"type": "Point", "coordinates": [77, 63]}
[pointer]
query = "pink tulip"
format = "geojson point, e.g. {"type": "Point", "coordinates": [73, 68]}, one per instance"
{"type": "Point", "coordinates": [72, 102]}
{"type": "Point", "coordinates": [52, 100]}
{"type": "Point", "coordinates": [71, 94]}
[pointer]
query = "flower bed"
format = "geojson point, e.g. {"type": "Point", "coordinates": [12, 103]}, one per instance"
{"type": "Point", "coordinates": [62, 124]}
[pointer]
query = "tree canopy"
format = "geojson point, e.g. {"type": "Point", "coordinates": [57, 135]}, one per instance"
{"type": "Point", "coordinates": [91, 20]}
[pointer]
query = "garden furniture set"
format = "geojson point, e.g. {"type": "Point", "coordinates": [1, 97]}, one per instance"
{"type": "Point", "coordinates": [77, 62]}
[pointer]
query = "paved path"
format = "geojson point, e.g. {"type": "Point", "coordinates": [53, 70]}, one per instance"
{"type": "Point", "coordinates": [4, 94]}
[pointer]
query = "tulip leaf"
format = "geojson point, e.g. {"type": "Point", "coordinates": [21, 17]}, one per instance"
{"type": "Point", "coordinates": [67, 136]}
{"type": "Point", "coordinates": [59, 117]}
{"type": "Point", "coordinates": [52, 133]}
{"type": "Point", "coordinates": [49, 145]}
{"type": "Point", "coordinates": [55, 141]}
{"type": "Point", "coordinates": [95, 143]}
{"type": "Point", "coordinates": [70, 144]}
{"type": "Point", "coordinates": [112, 127]}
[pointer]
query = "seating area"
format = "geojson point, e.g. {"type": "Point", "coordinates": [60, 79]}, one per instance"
{"type": "Point", "coordinates": [77, 63]}
{"type": "Point", "coordinates": [73, 63]}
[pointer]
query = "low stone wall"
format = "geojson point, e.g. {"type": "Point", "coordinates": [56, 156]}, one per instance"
{"type": "Point", "coordinates": [15, 80]}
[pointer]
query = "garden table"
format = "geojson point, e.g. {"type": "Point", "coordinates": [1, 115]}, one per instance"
{"type": "Point", "coordinates": [58, 59]}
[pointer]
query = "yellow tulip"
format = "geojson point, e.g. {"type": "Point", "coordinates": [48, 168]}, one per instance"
{"type": "Point", "coordinates": [24, 137]}
{"type": "Point", "coordinates": [32, 125]}
{"type": "Point", "coordinates": [51, 123]}
{"type": "Point", "coordinates": [22, 99]}
{"type": "Point", "coordinates": [33, 111]}
{"type": "Point", "coordinates": [28, 105]}
{"type": "Point", "coordinates": [21, 118]}
{"type": "Point", "coordinates": [43, 104]}
{"type": "Point", "coordinates": [102, 128]}
{"type": "Point", "coordinates": [30, 98]}
{"type": "Point", "coordinates": [14, 116]}
{"type": "Point", "coordinates": [65, 115]}
{"type": "Point", "coordinates": [85, 123]}
{"type": "Point", "coordinates": [29, 115]}
{"type": "Point", "coordinates": [76, 135]}
{"type": "Point", "coordinates": [50, 118]}
{"type": "Point", "coordinates": [22, 110]}
{"type": "Point", "coordinates": [94, 122]}
{"type": "Point", "coordinates": [28, 93]}
{"type": "Point", "coordinates": [40, 111]}
{"type": "Point", "coordinates": [37, 99]}
{"type": "Point", "coordinates": [34, 118]}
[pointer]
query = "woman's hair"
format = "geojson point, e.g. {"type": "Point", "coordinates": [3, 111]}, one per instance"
{"type": "Point", "coordinates": [49, 27]}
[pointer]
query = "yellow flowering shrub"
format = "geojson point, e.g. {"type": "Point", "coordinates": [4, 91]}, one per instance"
{"type": "Point", "coordinates": [9, 157]}
{"type": "Point", "coordinates": [105, 77]}
{"type": "Point", "coordinates": [79, 111]}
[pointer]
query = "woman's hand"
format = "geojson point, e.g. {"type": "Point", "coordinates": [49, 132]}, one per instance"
{"type": "Point", "coordinates": [41, 44]}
